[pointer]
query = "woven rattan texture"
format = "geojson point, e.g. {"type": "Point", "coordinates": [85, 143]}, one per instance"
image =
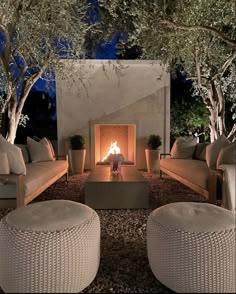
{"type": "Point", "coordinates": [49, 262]}
{"type": "Point", "coordinates": [190, 261]}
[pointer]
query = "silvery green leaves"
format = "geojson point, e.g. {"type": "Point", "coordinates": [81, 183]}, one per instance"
{"type": "Point", "coordinates": [35, 35]}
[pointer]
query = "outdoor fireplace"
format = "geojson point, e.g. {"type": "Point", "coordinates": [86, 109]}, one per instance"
{"type": "Point", "coordinates": [115, 139]}
{"type": "Point", "coordinates": [129, 107]}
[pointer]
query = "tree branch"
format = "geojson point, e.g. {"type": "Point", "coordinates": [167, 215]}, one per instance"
{"type": "Point", "coordinates": [29, 84]}
{"type": "Point", "coordinates": [211, 30]}
{"type": "Point", "coordinates": [228, 63]}
{"type": "Point", "coordinates": [232, 134]}
{"type": "Point", "coordinates": [225, 66]}
{"type": "Point", "coordinates": [198, 69]}
{"type": "Point", "coordinates": [18, 14]}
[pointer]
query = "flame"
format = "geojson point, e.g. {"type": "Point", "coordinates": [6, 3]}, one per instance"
{"type": "Point", "coordinates": [113, 149]}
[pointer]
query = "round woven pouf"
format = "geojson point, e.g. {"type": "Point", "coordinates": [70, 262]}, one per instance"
{"type": "Point", "coordinates": [49, 247]}
{"type": "Point", "coordinates": [191, 247]}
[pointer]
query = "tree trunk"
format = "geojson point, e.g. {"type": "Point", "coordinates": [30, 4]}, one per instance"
{"type": "Point", "coordinates": [213, 124]}
{"type": "Point", "coordinates": [232, 135]}
{"type": "Point", "coordinates": [12, 127]}
{"type": "Point", "coordinates": [212, 106]}
{"type": "Point", "coordinates": [221, 109]}
{"type": "Point", "coordinates": [213, 97]}
{"type": "Point", "coordinates": [217, 110]}
{"type": "Point", "coordinates": [15, 107]}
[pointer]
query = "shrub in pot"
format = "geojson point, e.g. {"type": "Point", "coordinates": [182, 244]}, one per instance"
{"type": "Point", "coordinates": [152, 153]}
{"type": "Point", "coordinates": [77, 153]}
{"type": "Point", "coordinates": [153, 142]}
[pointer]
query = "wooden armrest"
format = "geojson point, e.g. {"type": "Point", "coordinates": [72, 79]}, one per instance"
{"type": "Point", "coordinates": [11, 178]}
{"type": "Point", "coordinates": [163, 154]}
{"type": "Point", "coordinates": [214, 175]}
{"type": "Point", "coordinates": [3, 179]}
{"type": "Point", "coordinates": [19, 181]}
{"type": "Point", "coordinates": [63, 156]}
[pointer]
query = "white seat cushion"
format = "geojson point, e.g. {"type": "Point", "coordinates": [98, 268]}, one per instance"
{"type": "Point", "coordinates": [52, 215]}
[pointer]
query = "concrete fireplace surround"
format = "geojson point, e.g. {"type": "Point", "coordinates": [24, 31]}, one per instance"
{"type": "Point", "coordinates": [132, 95]}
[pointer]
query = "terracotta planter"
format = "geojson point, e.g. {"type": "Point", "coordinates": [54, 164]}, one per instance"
{"type": "Point", "coordinates": [77, 161]}
{"type": "Point", "coordinates": [152, 161]}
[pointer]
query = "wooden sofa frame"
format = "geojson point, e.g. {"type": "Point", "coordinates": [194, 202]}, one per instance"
{"type": "Point", "coordinates": [22, 200]}
{"type": "Point", "coordinates": [214, 177]}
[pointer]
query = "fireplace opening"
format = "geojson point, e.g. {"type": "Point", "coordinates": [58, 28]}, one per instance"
{"type": "Point", "coordinates": [115, 139]}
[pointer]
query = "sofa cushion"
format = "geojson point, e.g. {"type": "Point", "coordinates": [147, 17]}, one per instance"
{"type": "Point", "coordinates": [38, 173]}
{"type": "Point", "coordinates": [4, 164]}
{"type": "Point", "coordinates": [227, 155]}
{"type": "Point", "coordinates": [14, 155]}
{"type": "Point", "coordinates": [200, 151]}
{"type": "Point", "coordinates": [39, 151]}
{"type": "Point", "coordinates": [183, 148]}
{"type": "Point", "coordinates": [49, 143]}
{"type": "Point", "coordinates": [213, 150]}
{"type": "Point", "coordinates": [24, 151]}
{"type": "Point", "coordinates": [195, 171]}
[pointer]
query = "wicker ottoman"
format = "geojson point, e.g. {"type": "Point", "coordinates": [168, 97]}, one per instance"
{"type": "Point", "coordinates": [191, 247]}
{"type": "Point", "coordinates": [49, 247]}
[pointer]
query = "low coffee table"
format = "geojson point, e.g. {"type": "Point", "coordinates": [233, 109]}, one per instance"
{"type": "Point", "coordinates": [126, 190]}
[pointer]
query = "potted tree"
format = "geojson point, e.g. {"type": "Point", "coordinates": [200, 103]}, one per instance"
{"type": "Point", "coordinates": [77, 153]}
{"type": "Point", "coordinates": [152, 153]}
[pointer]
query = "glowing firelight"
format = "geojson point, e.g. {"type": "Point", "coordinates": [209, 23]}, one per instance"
{"type": "Point", "coordinates": [114, 149]}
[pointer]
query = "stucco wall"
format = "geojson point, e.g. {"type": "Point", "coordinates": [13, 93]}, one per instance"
{"type": "Point", "coordinates": [130, 92]}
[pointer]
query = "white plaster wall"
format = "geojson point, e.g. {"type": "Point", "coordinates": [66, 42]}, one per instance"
{"type": "Point", "coordinates": [114, 92]}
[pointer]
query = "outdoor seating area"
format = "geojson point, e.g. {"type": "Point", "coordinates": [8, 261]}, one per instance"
{"type": "Point", "coordinates": [117, 146]}
{"type": "Point", "coordinates": [91, 218]}
{"type": "Point", "coordinates": [125, 263]}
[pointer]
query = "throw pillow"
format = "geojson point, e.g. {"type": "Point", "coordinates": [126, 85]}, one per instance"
{"type": "Point", "coordinates": [35, 138]}
{"type": "Point", "coordinates": [4, 164]}
{"type": "Point", "coordinates": [39, 151]}
{"type": "Point", "coordinates": [183, 148]}
{"type": "Point", "coordinates": [200, 151]}
{"type": "Point", "coordinates": [213, 150]}
{"type": "Point", "coordinates": [227, 155]}
{"type": "Point", "coordinates": [49, 143]}
{"type": "Point", "coordinates": [14, 155]}
{"type": "Point", "coordinates": [24, 151]}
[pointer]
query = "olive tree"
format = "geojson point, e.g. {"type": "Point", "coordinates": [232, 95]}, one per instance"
{"type": "Point", "coordinates": [34, 36]}
{"type": "Point", "coordinates": [200, 35]}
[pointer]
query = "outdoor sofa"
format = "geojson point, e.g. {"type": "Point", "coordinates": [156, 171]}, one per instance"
{"type": "Point", "coordinates": [199, 165]}
{"type": "Point", "coordinates": [33, 167]}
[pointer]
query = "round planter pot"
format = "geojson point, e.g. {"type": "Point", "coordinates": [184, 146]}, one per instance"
{"type": "Point", "coordinates": [77, 161]}
{"type": "Point", "coordinates": [152, 161]}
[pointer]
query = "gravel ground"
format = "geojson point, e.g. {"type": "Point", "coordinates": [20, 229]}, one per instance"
{"type": "Point", "coordinates": [124, 265]}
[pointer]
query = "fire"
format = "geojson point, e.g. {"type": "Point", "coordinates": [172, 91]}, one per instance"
{"type": "Point", "coordinates": [114, 149]}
